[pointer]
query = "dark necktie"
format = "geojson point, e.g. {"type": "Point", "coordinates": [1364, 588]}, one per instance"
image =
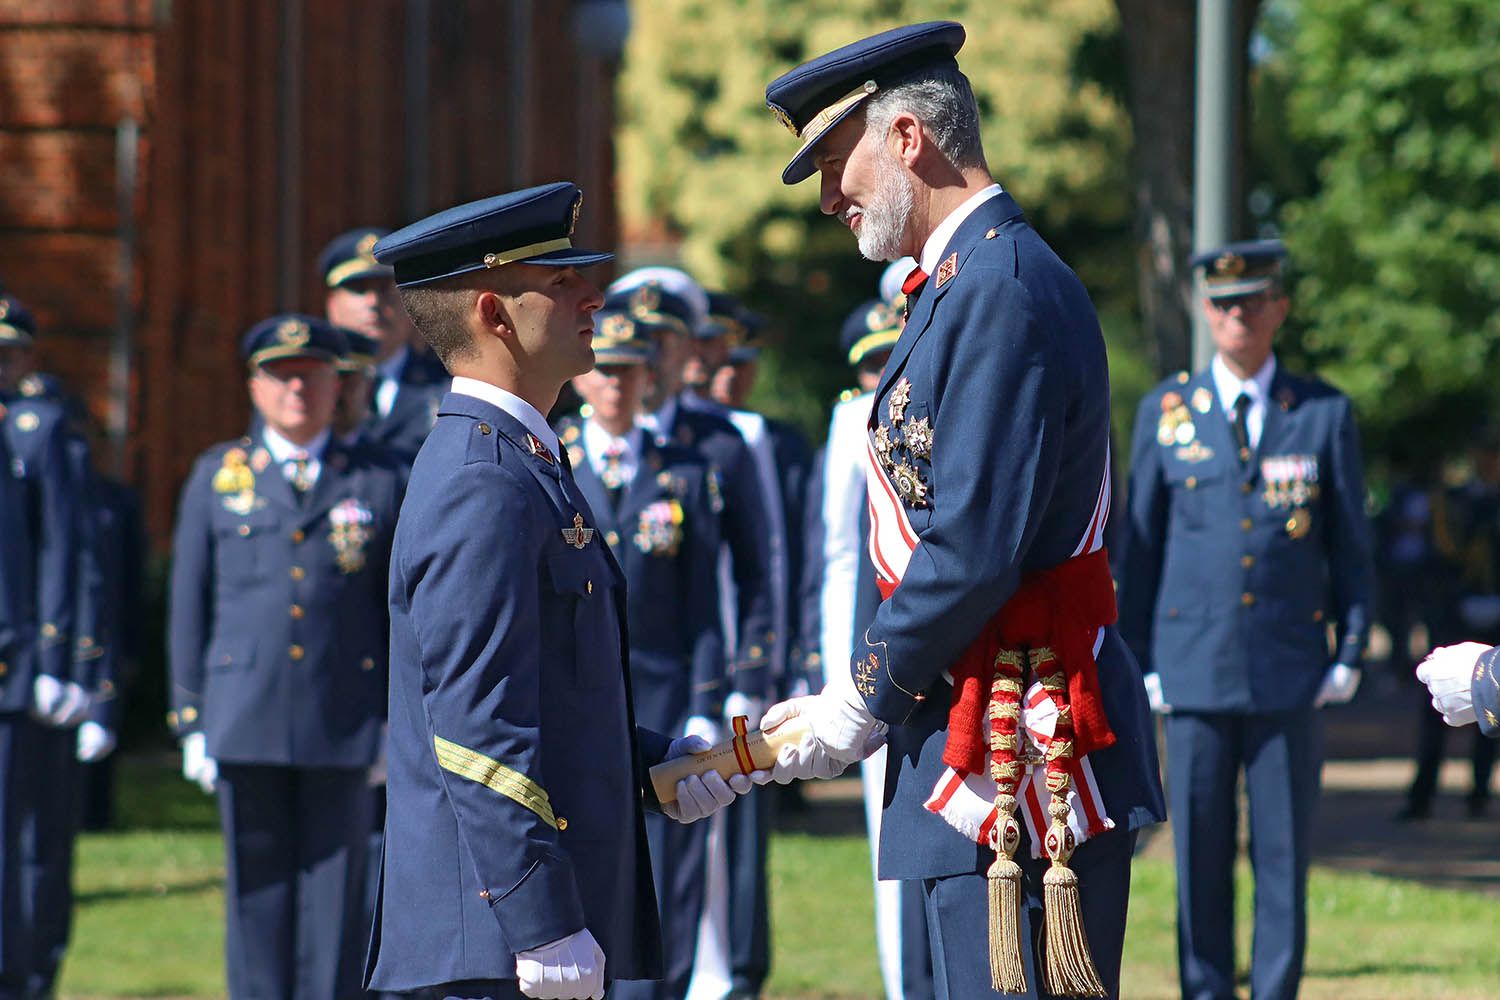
{"type": "Point", "coordinates": [1242, 426]}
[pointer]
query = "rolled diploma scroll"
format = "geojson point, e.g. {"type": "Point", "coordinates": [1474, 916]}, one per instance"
{"type": "Point", "coordinates": [758, 749]}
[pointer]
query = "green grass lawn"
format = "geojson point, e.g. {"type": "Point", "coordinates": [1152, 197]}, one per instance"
{"type": "Point", "coordinates": [149, 920]}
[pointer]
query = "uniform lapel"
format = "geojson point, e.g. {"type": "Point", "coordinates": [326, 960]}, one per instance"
{"type": "Point", "coordinates": [271, 482]}
{"type": "Point", "coordinates": [592, 488]}
{"type": "Point", "coordinates": [332, 477]}
{"type": "Point", "coordinates": [1281, 400]}
{"type": "Point", "coordinates": [1213, 427]}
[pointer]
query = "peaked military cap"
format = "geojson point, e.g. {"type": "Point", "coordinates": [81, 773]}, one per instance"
{"type": "Point", "coordinates": [620, 340]}
{"type": "Point", "coordinates": [1240, 268]}
{"type": "Point", "coordinates": [17, 326]}
{"type": "Point", "coordinates": [817, 95]}
{"type": "Point", "coordinates": [360, 356]}
{"type": "Point", "coordinates": [534, 226]}
{"type": "Point", "coordinates": [661, 296]}
{"type": "Point", "coordinates": [873, 326]}
{"type": "Point", "coordinates": [350, 256]}
{"type": "Point", "coordinates": [293, 335]}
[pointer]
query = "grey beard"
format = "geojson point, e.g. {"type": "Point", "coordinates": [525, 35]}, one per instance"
{"type": "Point", "coordinates": [885, 218]}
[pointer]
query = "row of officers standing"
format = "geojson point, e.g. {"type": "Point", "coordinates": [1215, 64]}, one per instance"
{"type": "Point", "coordinates": [70, 566]}
{"type": "Point", "coordinates": [278, 617]}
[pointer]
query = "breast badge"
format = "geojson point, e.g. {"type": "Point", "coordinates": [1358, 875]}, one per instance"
{"type": "Point", "coordinates": [350, 527]}
{"type": "Point", "coordinates": [1176, 425]}
{"type": "Point", "coordinates": [1299, 523]}
{"type": "Point", "coordinates": [659, 530]}
{"type": "Point", "coordinates": [1194, 453]}
{"type": "Point", "coordinates": [578, 536]}
{"type": "Point", "coordinates": [900, 443]}
{"type": "Point", "coordinates": [909, 484]}
{"type": "Point", "coordinates": [918, 434]}
{"type": "Point", "coordinates": [900, 397]}
{"type": "Point", "coordinates": [235, 483]}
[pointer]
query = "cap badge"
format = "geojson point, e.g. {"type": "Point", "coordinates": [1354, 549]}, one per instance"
{"type": "Point", "coordinates": [293, 333]}
{"type": "Point", "coordinates": [784, 118]}
{"type": "Point", "coordinates": [577, 207]}
{"type": "Point", "coordinates": [1231, 265]}
{"type": "Point", "coordinates": [645, 299]}
{"type": "Point", "coordinates": [578, 536]}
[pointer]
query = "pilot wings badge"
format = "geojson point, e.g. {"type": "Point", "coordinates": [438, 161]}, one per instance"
{"type": "Point", "coordinates": [578, 536]}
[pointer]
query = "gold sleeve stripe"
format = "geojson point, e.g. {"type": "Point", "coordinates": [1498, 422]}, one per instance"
{"type": "Point", "coordinates": [495, 776]}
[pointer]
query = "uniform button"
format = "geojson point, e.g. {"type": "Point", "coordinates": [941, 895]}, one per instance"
{"type": "Point", "coordinates": [244, 531]}
{"type": "Point", "coordinates": [588, 586]}
{"type": "Point", "coordinates": [297, 611]}
{"type": "Point", "coordinates": [1317, 616]}
{"type": "Point", "coordinates": [1247, 561]}
{"type": "Point", "coordinates": [189, 714]}
{"type": "Point", "coordinates": [1171, 612]}
{"type": "Point", "coordinates": [484, 894]}
{"type": "Point", "coordinates": [49, 631]}
{"type": "Point", "coordinates": [1245, 487]}
{"type": "Point", "coordinates": [298, 572]}
{"type": "Point", "coordinates": [4, 668]}
{"type": "Point", "coordinates": [297, 537]}
{"type": "Point", "coordinates": [1246, 524]}
{"type": "Point", "coordinates": [755, 652]}
{"type": "Point", "coordinates": [1192, 482]}
{"type": "Point", "coordinates": [562, 822]}
{"type": "Point", "coordinates": [171, 720]}
{"type": "Point", "coordinates": [368, 663]}
{"type": "Point", "coordinates": [1244, 454]}
{"type": "Point", "coordinates": [1247, 599]}
{"type": "Point", "coordinates": [484, 428]}
{"type": "Point", "coordinates": [296, 652]}
{"type": "Point", "coordinates": [611, 538]}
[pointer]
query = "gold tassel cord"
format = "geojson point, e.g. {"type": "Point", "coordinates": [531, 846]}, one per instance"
{"type": "Point", "coordinates": [1007, 968]}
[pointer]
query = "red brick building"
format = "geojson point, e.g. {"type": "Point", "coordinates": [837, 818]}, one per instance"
{"type": "Point", "coordinates": [169, 170]}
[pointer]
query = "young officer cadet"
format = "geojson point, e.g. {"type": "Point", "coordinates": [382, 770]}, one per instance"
{"type": "Point", "coordinates": [1246, 535]}
{"type": "Point", "coordinates": [655, 505]}
{"type": "Point", "coordinates": [277, 646]}
{"type": "Point", "coordinates": [515, 861]}
{"type": "Point", "coordinates": [988, 481]}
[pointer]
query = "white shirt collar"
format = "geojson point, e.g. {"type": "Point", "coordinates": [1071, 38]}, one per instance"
{"type": "Point", "coordinates": [282, 450]}
{"type": "Point", "coordinates": [596, 442]}
{"type": "Point", "coordinates": [529, 416]}
{"type": "Point", "coordinates": [391, 367]}
{"type": "Point", "coordinates": [1229, 385]}
{"type": "Point", "coordinates": [932, 250]}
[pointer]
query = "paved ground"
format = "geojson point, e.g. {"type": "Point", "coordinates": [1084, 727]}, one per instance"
{"type": "Point", "coordinates": [1370, 743]}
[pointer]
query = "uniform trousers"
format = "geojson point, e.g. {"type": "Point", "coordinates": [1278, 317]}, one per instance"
{"type": "Point", "coordinates": [294, 846]}
{"type": "Point", "coordinates": [678, 859]}
{"type": "Point", "coordinates": [19, 779]}
{"type": "Point", "coordinates": [747, 831]}
{"type": "Point", "coordinates": [51, 828]}
{"type": "Point", "coordinates": [1282, 755]}
{"type": "Point", "coordinates": [958, 918]}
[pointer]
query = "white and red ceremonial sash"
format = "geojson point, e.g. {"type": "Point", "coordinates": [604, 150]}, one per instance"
{"type": "Point", "coordinates": [967, 801]}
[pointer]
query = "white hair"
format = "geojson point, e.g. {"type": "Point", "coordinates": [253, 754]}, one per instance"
{"type": "Point", "coordinates": [944, 103]}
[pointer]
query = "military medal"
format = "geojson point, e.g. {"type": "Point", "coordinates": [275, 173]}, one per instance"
{"type": "Point", "coordinates": [235, 483]}
{"type": "Point", "coordinates": [1203, 400]}
{"type": "Point", "coordinates": [909, 484]}
{"type": "Point", "coordinates": [349, 531]}
{"type": "Point", "coordinates": [578, 536]}
{"type": "Point", "coordinates": [900, 397]}
{"type": "Point", "coordinates": [1184, 433]}
{"type": "Point", "coordinates": [918, 435]}
{"type": "Point", "coordinates": [1299, 523]}
{"type": "Point", "coordinates": [659, 531]}
{"type": "Point", "coordinates": [883, 444]}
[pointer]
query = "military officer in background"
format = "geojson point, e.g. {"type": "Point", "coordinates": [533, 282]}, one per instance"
{"type": "Point", "coordinates": [351, 414]}
{"type": "Point", "coordinates": [849, 600]}
{"type": "Point", "coordinates": [516, 861]}
{"type": "Point", "coordinates": [988, 482]}
{"type": "Point", "coordinates": [407, 384]}
{"type": "Point", "coordinates": [277, 649]}
{"type": "Point", "coordinates": [1246, 538]}
{"type": "Point", "coordinates": [655, 508]}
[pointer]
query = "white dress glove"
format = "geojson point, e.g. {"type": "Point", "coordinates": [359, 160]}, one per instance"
{"type": "Point", "coordinates": [1448, 672]}
{"type": "Point", "coordinates": [197, 765]}
{"type": "Point", "coordinates": [738, 704]}
{"type": "Point", "coordinates": [1154, 694]}
{"type": "Point", "coordinates": [1339, 685]}
{"type": "Point", "coordinates": [94, 742]}
{"type": "Point", "coordinates": [841, 730]}
{"type": "Point", "coordinates": [700, 796]}
{"type": "Point", "coordinates": [59, 703]}
{"type": "Point", "coordinates": [570, 968]}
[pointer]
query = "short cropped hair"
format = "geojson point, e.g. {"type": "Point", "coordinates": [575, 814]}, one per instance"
{"type": "Point", "coordinates": [944, 103]}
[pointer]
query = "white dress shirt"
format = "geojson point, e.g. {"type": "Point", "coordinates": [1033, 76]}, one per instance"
{"type": "Point", "coordinates": [388, 381]}
{"type": "Point", "coordinates": [530, 417]}
{"type": "Point", "coordinates": [937, 243]}
{"type": "Point", "coordinates": [1257, 387]}
{"type": "Point", "coordinates": [285, 454]}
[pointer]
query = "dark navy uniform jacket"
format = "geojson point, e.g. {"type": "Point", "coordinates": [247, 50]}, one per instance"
{"type": "Point", "coordinates": [516, 774]}
{"type": "Point", "coordinates": [745, 531]}
{"type": "Point", "coordinates": [1231, 572]}
{"type": "Point", "coordinates": [37, 438]}
{"type": "Point", "coordinates": [403, 430]}
{"type": "Point", "coordinates": [1003, 359]}
{"type": "Point", "coordinates": [277, 630]}
{"type": "Point", "coordinates": [665, 537]}
{"type": "Point", "coordinates": [1485, 689]}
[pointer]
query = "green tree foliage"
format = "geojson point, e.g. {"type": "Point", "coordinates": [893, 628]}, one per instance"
{"type": "Point", "coordinates": [1399, 248]}
{"type": "Point", "coordinates": [700, 157]}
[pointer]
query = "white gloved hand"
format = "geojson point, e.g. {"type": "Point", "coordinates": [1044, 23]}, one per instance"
{"type": "Point", "coordinates": [59, 703]}
{"type": "Point", "coordinates": [46, 696]}
{"type": "Point", "coordinates": [94, 742]}
{"type": "Point", "coordinates": [197, 765]}
{"type": "Point", "coordinates": [738, 704]}
{"type": "Point", "coordinates": [1154, 694]}
{"type": "Point", "coordinates": [704, 728]}
{"type": "Point", "coordinates": [841, 730]}
{"type": "Point", "coordinates": [700, 796]}
{"type": "Point", "coordinates": [1339, 685]}
{"type": "Point", "coordinates": [570, 968]}
{"type": "Point", "coordinates": [1448, 672]}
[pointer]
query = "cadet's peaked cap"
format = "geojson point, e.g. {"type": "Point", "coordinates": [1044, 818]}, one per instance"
{"type": "Point", "coordinates": [873, 326]}
{"type": "Point", "coordinates": [534, 226]}
{"type": "Point", "coordinates": [293, 335]}
{"type": "Point", "coordinates": [817, 95]}
{"type": "Point", "coordinates": [1240, 268]}
{"type": "Point", "coordinates": [17, 327]}
{"type": "Point", "coordinates": [360, 356]}
{"type": "Point", "coordinates": [619, 339]}
{"type": "Point", "coordinates": [350, 256]}
{"type": "Point", "coordinates": [662, 296]}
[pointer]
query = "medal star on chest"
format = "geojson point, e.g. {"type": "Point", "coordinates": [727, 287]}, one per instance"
{"type": "Point", "coordinates": [900, 398]}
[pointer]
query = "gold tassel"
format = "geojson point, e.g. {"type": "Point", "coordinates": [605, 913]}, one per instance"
{"type": "Point", "coordinates": [1068, 967]}
{"type": "Point", "coordinates": [1007, 970]}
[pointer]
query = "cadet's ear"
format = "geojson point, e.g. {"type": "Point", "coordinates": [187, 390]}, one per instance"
{"type": "Point", "coordinates": [490, 308]}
